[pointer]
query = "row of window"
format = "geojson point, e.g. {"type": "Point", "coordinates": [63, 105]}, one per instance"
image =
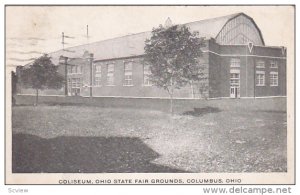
{"type": "Point", "coordinates": [236, 63]}
{"type": "Point", "coordinates": [260, 73]}
{"type": "Point", "coordinates": [128, 79]}
{"type": "Point", "coordinates": [261, 64]}
{"type": "Point", "coordinates": [74, 69]}
{"type": "Point", "coordinates": [260, 78]}
{"type": "Point", "coordinates": [74, 83]}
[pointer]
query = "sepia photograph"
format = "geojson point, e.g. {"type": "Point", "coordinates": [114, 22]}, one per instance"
{"type": "Point", "coordinates": [149, 94]}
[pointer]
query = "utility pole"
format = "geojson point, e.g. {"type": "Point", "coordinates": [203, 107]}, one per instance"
{"type": "Point", "coordinates": [64, 60]}
{"type": "Point", "coordinates": [91, 59]}
{"type": "Point", "coordinates": [87, 37]}
{"type": "Point", "coordinates": [63, 36]}
{"type": "Point", "coordinates": [63, 41]}
{"type": "Point", "coordinates": [87, 33]}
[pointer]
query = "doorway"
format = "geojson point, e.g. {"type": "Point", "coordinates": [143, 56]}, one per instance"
{"type": "Point", "coordinates": [74, 86]}
{"type": "Point", "coordinates": [235, 84]}
{"type": "Point", "coordinates": [234, 92]}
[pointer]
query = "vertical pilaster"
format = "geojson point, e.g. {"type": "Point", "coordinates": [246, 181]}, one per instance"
{"type": "Point", "coordinates": [91, 59]}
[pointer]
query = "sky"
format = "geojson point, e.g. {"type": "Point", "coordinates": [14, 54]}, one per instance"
{"type": "Point", "coordinates": [34, 30]}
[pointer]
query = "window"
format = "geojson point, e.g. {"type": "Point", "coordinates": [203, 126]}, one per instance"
{"type": "Point", "coordinates": [69, 85]}
{"type": "Point", "coordinates": [69, 70]}
{"type": "Point", "coordinates": [147, 73]}
{"type": "Point", "coordinates": [273, 64]}
{"type": "Point", "coordinates": [234, 79]}
{"type": "Point", "coordinates": [97, 78]}
{"type": "Point", "coordinates": [260, 64]}
{"type": "Point", "coordinates": [128, 74]}
{"type": "Point", "coordinates": [273, 78]}
{"type": "Point", "coordinates": [110, 74]}
{"type": "Point", "coordinates": [235, 62]}
{"type": "Point", "coordinates": [260, 78]}
{"type": "Point", "coordinates": [78, 69]}
{"type": "Point", "coordinates": [74, 69]}
{"type": "Point", "coordinates": [74, 83]}
{"type": "Point", "coordinates": [75, 86]}
{"type": "Point", "coordinates": [98, 68]}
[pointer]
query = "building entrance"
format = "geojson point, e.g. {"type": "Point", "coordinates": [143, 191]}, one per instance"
{"type": "Point", "coordinates": [234, 84]}
{"type": "Point", "coordinates": [74, 86]}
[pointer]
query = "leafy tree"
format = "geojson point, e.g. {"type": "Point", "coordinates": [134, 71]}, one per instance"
{"type": "Point", "coordinates": [172, 54]}
{"type": "Point", "coordinates": [42, 74]}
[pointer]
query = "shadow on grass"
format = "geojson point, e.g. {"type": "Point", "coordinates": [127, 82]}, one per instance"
{"type": "Point", "coordinates": [202, 111]}
{"type": "Point", "coordinates": [23, 105]}
{"type": "Point", "coordinates": [273, 111]}
{"type": "Point", "coordinates": [33, 154]}
{"type": "Point", "coordinates": [50, 104]}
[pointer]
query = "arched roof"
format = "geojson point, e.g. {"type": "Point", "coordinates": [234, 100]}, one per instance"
{"type": "Point", "coordinates": [231, 25]}
{"type": "Point", "coordinates": [133, 45]}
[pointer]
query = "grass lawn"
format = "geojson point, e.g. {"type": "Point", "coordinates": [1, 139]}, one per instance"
{"type": "Point", "coordinates": [208, 136]}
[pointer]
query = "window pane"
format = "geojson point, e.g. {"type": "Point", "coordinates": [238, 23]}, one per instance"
{"type": "Point", "coordinates": [98, 68]}
{"type": "Point", "coordinates": [273, 78]}
{"type": "Point", "coordinates": [260, 64]}
{"type": "Point", "coordinates": [260, 78]}
{"type": "Point", "coordinates": [97, 80]}
{"type": "Point", "coordinates": [110, 74]}
{"type": "Point", "coordinates": [73, 69]}
{"type": "Point", "coordinates": [128, 66]}
{"type": "Point", "coordinates": [110, 80]}
{"type": "Point", "coordinates": [273, 64]}
{"type": "Point", "coordinates": [234, 79]}
{"type": "Point", "coordinates": [147, 73]}
{"type": "Point", "coordinates": [235, 62]}
{"type": "Point", "coordinates": [110, 68]}
{"type": "Point", "coordinates": [127, 73]}
{"type": "Point", "coordinates": [69, 70]}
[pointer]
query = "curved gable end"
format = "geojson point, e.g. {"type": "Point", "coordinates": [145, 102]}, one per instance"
{"type": "Point", "coordinates": [240, 29]}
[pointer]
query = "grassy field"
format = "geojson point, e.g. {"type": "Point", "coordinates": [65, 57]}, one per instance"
{"type": "Point", "coordinates": [204, 136]}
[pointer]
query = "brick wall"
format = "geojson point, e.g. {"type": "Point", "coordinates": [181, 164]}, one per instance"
{"type": "Point", "coordinates": [219, 70]}
{"type": "Point", "coordinates": [138, 89]}
{"type": "Point", "coordinates": [216, 58]}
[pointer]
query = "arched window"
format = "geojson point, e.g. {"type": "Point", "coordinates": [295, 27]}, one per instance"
{"type": "Point", "coordinates": [240, 30]}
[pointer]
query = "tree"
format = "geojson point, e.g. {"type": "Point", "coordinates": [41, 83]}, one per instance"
{"type": "Point", "coordinates": [42, 74]}
{"type": "Point", "coordinates": [172, 54]}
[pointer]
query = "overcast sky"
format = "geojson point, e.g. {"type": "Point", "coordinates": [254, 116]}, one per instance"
{"type": "Point", "coordinates": [31, 30]}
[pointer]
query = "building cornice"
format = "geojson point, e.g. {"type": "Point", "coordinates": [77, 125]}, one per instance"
{"type": "Point", "coordinates": [242, 55]}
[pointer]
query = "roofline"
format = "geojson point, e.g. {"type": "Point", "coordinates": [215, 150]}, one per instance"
{"type": "Point", "coordinates": [273, 47]}
{"type": "Point", "coordinates": [239, 14]}
{"type": "Point", "coordinates": [132, 34]}
{"type": "Point", "coordinates": [237, 45]}
{"type": "Point", "coordinates": [120, 58]}
{"type": "Point", "coordinates": [207, 19]}
{"type": "Point", "coordinates": [87, 44]}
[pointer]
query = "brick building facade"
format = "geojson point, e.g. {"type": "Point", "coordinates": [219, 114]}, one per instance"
{"type": "Point", "coordinates": [235, 59]}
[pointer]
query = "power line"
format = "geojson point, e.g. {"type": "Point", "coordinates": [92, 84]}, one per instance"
{"type": "Point", "coordinates": [63, 36]}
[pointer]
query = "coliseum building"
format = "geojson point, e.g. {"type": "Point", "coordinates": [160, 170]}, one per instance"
{"type": "Point", "coordinates": [237, 63]}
